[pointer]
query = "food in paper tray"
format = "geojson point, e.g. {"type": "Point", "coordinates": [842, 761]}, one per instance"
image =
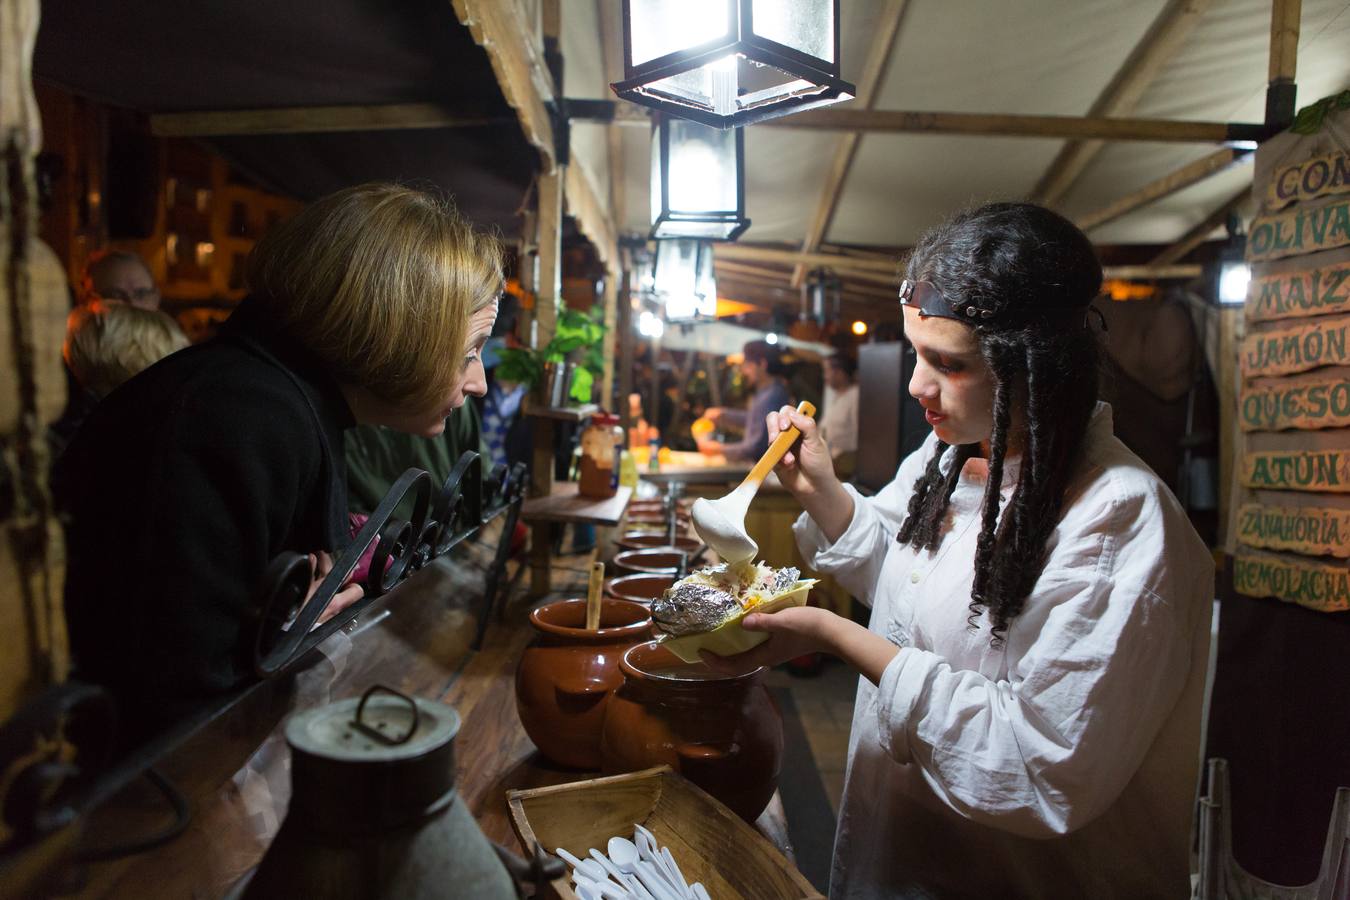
{"type": "Point", "coordinates": [704, 610]}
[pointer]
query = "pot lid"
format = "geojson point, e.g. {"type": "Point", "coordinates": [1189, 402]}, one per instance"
{"type": "Point", "coordinates": [382, 725]}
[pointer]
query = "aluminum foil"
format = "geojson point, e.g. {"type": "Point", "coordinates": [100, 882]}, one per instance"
{"type": "Point", "coordinates": [690, 608]}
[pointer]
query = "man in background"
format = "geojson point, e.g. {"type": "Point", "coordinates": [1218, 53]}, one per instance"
{"type": "Point", "coordinates": [839, 422]}
{"type": "Point", "coordinates": [116, 275]}
{"type": "Point", "coordinates": [762, 372]}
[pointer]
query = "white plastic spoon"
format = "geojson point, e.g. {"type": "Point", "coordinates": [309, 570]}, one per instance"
{"type": "Point", "coordinates": [700, 891]}
{"type": "Point", "coordinates": [670, 861]}
{"type": "Point", "coordinates": [721, 523]}
{"type": "Point", "coordinates": [625, 856]}
{"type": "Point", "coordinates": [648, 850]}
{"type": "Point", "coordinates": [589, 869]}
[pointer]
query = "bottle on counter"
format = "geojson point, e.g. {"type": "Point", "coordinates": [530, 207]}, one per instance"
{"type": "Point", "coordinates": [654, 452]}
{"type": "Point", "coordinates": [628, 472]}
{"type": "Point", "coordinates": [601, 446]}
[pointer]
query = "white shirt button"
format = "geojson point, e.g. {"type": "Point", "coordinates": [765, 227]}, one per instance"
{"type": "Point", "coordinates": [914, 577]}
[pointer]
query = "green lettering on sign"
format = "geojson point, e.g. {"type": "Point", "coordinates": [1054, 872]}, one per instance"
{"type": "Point", "coordinates": [1298, 470]}
{"type": "Point", "coordinates": [1318, 586]}
{"type": "Point", "coordinates": [1324, 403]}
{"type": "Point", "coordinates": [1310, 344]}
{"type": "Point", "coordinates": [1314, 530]}
{"type": "Point", "coordinates": [1299, 231]}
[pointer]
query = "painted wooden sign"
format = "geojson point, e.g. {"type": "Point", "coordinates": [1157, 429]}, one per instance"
{"type": "Point", "coordinates": [1314, 530]}
{"type": "Point", "coordinates": [1306, 403]}
{"type": "Point", "coordinates": [1313, 292]}
{"type": "Point", "coordinates": [1298, 470]}
{"type": "Point", "coordinates": [1321, 341]}
{"type": "Point", "coordinates": [1321, 176]}
{"type": "Point", "coordinates": [1301, 230]}
{"type": "Point", "coordinates": [1319, 586]}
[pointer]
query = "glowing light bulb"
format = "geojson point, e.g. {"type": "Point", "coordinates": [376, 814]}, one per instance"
{"type": "Point", "coordinates": [771, 338]}
{"type": "Point", "coordinates": [860, 328]}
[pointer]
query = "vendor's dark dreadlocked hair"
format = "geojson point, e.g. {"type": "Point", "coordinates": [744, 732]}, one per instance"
{"type": "Point", "coordinates": [1036, 274]}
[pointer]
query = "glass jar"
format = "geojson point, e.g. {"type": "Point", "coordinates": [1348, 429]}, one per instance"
{"type": "Point", "coordinates": [601, 446]}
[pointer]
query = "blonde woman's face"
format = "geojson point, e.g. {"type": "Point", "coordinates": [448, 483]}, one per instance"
{"type": "Point", "coordinates": [471, 379]}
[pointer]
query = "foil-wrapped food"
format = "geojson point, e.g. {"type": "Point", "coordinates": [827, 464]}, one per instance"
{"type": "Point", "coordinates": [704, 610]}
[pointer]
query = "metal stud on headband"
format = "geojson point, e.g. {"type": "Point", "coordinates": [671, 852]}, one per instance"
{"type": "Point", "coordinates": [928, 300]}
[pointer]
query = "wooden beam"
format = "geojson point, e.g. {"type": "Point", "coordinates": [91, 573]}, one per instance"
{"type": "Point", "coordinates": [1180, 179]}
{"type": "Point", "coordinates": [1284, 29]}
{"type": "Point", "coordinates": [611, 51]}
{"type": "Point", "coordinates": [1201, 232]}
{"type": "Point", "coordinates": [584, 205]}
{"type": "Point", "coordinates": [739, 252]}
{"type": "Point", "coordinates": [1157, 47]}
{"type": "Point", "coordinates": [549, 290]}
{"type": "Point", "coordinates": [502, 28]}
{"type": "Point", "coordinates": [874, 69]}
{"type": "Point", "coordinates": [313, 120]}
{"type": "Point", "coordinates": [1153, 273]}
{"type": "Point", "coordinates": [1008, 125]}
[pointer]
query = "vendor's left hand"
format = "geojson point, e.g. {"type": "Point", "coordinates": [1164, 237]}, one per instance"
{"type": "Point", "coordinates": [710, 447]}
{"type": "Point", "coordinates": [795, 631]}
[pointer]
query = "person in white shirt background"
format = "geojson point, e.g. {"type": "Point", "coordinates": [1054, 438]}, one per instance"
{"type": "Point", "coordinates": [839, 422]}
{"type": "Point", "coordinates": [1028, 713]}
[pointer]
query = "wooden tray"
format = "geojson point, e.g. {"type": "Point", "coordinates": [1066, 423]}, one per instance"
{"type": "Point", "coordinates": [710, 843]}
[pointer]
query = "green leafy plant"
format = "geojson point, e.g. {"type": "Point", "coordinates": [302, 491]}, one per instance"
{"type": "Point", "coordinates": [576, 332]}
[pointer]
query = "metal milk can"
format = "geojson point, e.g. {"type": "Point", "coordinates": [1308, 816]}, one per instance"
{"type": "Point", "coordinates": [374, 812]}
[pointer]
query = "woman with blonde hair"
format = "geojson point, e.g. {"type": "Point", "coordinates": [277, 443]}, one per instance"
{"type": "Point", "coordinates": [369, 306]}
{"type": "Point", "coordinates": [107, 343]}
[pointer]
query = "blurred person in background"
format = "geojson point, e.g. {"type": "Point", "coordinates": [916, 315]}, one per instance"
{"type": "Point", "coordinates": [839, 422]}
{"type": "Point", "coordinates": [762, 372]}
{"type": "Point", "coordinates": [119, 276]}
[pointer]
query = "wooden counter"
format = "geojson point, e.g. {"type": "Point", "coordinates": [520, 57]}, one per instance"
{"type": "Point", "coordinates": [417, 642]}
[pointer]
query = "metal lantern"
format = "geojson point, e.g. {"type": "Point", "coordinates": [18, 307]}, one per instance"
{"type": "Point", "coordinates": [684, 283]}
{"type": "Point", "coordinates": [821, 296]}
{"type": "Point", "coordinates": [729, 63]}
{"type": "Point", "coordinates": [698, 181]}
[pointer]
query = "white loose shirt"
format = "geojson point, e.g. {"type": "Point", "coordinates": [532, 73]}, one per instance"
{"type": "Point", "coordinates": [1062, 764]}
{"type": "Point", "coordinates": [839, 423]}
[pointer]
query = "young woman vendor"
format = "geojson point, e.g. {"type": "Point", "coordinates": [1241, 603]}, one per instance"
{"type": "Point", "coordinates": [1027, 722]}
{"type": "Point", "coordinates": [368, 306]}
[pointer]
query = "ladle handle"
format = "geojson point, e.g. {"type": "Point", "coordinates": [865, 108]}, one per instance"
{"type": "Point", "coordinates": [593, 596]}
{"type": "Point", "coordinates": [780, 446]}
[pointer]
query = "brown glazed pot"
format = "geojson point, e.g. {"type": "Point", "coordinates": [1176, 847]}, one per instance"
{"type": "Point", "coordinates": [724, 733]}
{"type": "Point", "coordinates": [567, 674]}
{"type": "Point", "coordinates": [640, 540]}
{"type": "Point", "coordinates": [649, 561]}
{"type": "Point", "coordinates": [638, 588]}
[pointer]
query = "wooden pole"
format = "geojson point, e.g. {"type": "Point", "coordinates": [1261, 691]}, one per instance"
{"type": "Point", "coordinates": [1008, 125]}
{"type": "Point", "coordinates": [874, 69]}
{"type": "Point", "coordinates": [626, 340]}
{"type": "Point", "coordinates": [549, 241]}
{"type": "Point", "coordinates": [1180, 179]}
{"type": "Point", "coordinates": [1158, 46]}
{"type": "Point", "coordinates": [612, 278]}
{"type": "Point", "coordinates": [738, 252]}
{"type": "Point", "coordinates": [1281, 93]}
{"type": "Point", "coordinates": [314, 119]}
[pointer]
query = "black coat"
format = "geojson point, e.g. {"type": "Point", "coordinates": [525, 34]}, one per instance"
{"type": "Point", "coordinates": [181, 486]}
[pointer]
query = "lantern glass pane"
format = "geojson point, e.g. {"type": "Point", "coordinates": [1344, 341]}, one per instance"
{"type": "Point", "coordinates": [804, 25]}
{"type": "Point", "coordinates": [662, 27]}
{"type": "Point", "coordinates": [702, 168]}
{"type": "Point", "coordinates": [677, 267]}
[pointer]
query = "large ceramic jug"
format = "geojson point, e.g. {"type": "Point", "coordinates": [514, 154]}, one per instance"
{"type": "Point", "coordinates": [374, 812]}
{"type": "Point", "coordinates": [724, 733]}
{"type": "Point", "coordinates": [566, 675]}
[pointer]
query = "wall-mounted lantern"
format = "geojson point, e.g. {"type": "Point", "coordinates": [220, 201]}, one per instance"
{"type": "Point", "coordinates": [698, 181]}
{"type": "Point", "coordinates": [729, 63]}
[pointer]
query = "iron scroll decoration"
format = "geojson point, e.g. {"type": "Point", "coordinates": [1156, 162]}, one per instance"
{"type": "Point", "coordinates": [287, 625]}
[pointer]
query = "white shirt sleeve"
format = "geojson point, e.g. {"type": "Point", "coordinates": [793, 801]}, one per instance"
{"type": "Point", "coordinates": [855, 559]}
{"type": "Point", "coordinates": [1051, 747]}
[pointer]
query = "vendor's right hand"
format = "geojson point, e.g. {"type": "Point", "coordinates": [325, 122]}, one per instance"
{"type": "Point", "coordinates": [807, 466]}
{"type": "Point", "coordinates": [713, 413]}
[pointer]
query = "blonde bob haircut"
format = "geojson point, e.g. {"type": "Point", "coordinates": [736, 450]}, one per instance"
{"type": "Point", "coordinates": [107, 342]}
{"type": "Point", "coordinates": [379, 282]}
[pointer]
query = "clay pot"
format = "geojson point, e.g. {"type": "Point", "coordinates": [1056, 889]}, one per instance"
{"type": "Point", "coordinates": [724, 733]}
{"type": "Point", "coordinates": [638, 588]}
{"type": "Point", "coordinates": [649, 561]}
{"type": "Point", "coordinates": [638, 540]}
{"type": "Point", "coordinates": [567, 674]}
